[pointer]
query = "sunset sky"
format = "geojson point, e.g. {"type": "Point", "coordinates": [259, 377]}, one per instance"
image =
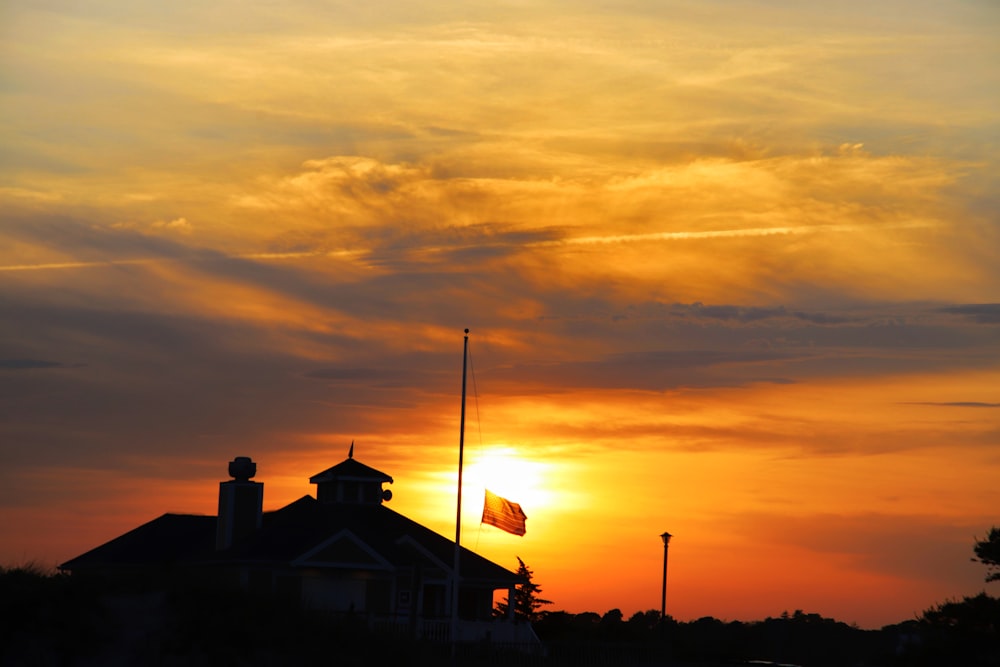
{"type": "Point", "coordinates": [731, 270]}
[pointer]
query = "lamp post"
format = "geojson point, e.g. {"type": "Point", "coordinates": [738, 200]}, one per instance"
{"type": "Point", "coordinates": [663, 595]}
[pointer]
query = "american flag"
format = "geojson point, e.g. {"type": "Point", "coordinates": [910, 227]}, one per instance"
{"type": "Point", "coordinates": [503, 514]}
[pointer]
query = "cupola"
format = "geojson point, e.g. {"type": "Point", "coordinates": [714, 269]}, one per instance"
{"type": "Point", "coordinates": [351, 483]}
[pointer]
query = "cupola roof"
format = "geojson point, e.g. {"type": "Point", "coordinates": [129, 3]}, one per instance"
{"type": "Point", "coordinates": [350, 470]}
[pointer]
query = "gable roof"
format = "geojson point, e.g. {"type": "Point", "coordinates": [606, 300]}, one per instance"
{"type": "Point", "coordinates": [343, 550]}
{"type": "Point", "coordinates": [290, 534]}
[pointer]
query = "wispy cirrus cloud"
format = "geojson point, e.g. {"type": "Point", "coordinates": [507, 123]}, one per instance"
{"type": "Point", "coordinates": [983, 313]}
{"type": "Point", "coordinates": [959, 404]}
{"type": "Point", "coordinates": [28, 364]}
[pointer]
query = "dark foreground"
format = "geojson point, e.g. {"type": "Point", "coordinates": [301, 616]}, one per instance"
{"type": "Point", "coordinates": [55, 620]}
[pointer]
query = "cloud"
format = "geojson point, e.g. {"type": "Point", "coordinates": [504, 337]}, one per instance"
{"type": "Point", "coordinates": [764, 215]}
{"type": "Point", "coordinates": [403, 279]}
{"type": "Point", "coordinates": [78, 240]}
{"type": "Point", "coordinates": [28, 364]}
{"type": "Point", "coordinates": [982, 313]}
{"type": "Point", "coordinates": [30, 195]}
{"type": "Point", "coordinates": [178, 225]}
{"type": "Point", "coordinates": [887, 544]}
{"type": "Point", "coordinates": [959, 404]}
{"type": "Point", "coordinates": [752, 314]}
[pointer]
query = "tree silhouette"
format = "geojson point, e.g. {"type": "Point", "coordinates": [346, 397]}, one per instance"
{"type": "Point", "coordinates": [988, 553]}
{"type": "Point", "coordinates": [526, 600]}
{"type": "Point", "coordinates": [965, 632]}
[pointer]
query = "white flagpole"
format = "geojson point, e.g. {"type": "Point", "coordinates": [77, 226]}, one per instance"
{"type": "Point", "coordinates": [458, 510]}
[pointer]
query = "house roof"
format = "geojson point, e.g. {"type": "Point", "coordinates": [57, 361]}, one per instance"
{"type": "Point", "coordinates": [293, 534]}
{"type": "Point", "coordinates": [167, 539]}
{"type": "Point", "coordinates": [305, 533]}
{"type": "Point", "coordinates": [352, 470]}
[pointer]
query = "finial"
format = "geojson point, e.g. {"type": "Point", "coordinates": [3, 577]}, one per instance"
{"type": "Point", "coordinates": [350, 452]}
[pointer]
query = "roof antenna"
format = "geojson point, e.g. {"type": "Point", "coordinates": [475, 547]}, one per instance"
{"type": "Point", "coordinates": [350, 452]}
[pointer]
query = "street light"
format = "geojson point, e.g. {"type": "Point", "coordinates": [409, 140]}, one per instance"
{"type": "Point", "coordinates": [663, 595]}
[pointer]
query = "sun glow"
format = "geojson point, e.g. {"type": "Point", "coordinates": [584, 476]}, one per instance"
{"type": "Point", "coordinates": [506, 472]}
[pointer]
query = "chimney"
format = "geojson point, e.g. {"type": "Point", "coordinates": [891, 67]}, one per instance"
{"type": "Point", "coordinates": [241, 503]}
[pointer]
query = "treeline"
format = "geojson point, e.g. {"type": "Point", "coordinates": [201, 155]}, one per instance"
{"type": "Point", "coordinates": [961, 634]}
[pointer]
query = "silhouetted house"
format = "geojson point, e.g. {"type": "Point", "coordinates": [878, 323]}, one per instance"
{"type": "Point", "coordinates": [343, 551]}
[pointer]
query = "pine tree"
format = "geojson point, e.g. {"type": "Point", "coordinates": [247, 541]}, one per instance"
{"type": "Point", "coordinates": [526, 600]}
{"type": "Point", "coordinates": [988, 553]}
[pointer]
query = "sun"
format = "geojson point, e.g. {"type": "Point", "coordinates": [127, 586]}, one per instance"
{"type": "Point", "coordinates": [506, 472]}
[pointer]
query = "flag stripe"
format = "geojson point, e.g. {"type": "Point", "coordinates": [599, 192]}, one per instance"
{"type": "Point", "coordinates": [503, 514]}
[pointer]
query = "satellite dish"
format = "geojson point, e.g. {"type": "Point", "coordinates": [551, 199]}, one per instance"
{"type": "Point", "coordinates": [386, 495]}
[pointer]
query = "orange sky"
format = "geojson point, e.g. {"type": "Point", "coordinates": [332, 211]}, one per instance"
{"type": "Point", "coordinates": [731, 271]}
